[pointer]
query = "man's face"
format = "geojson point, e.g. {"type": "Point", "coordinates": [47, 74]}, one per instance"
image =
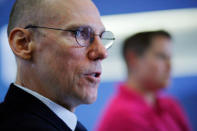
{"type": "Point", "coordinates": [155, 66]}
{"type": "Point", "coordinates": [69, 72]}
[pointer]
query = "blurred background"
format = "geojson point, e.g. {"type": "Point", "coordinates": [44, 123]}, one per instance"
{"type": "Point", "coordinates": [124, 18]}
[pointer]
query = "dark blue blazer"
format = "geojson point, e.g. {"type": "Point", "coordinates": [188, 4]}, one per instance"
{"type": "Point", "coordinates": [22, 111]}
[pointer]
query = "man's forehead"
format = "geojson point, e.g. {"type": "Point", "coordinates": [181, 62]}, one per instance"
{"type": "Point", "coordinates": [75, 13]}
{"type": "Point", "coordinates": [71, 6]}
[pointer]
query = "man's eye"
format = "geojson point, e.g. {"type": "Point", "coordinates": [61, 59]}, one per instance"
{"type": "Point", "coordinates": [84, 35]}
{"type": "Point", "coordinates": [161, 56]}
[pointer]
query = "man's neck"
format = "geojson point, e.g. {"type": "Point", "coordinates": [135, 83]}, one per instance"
{"type": "Point", "coordinates": [36, 87]}
{"type": "Point", "coordinates": [148, 95]}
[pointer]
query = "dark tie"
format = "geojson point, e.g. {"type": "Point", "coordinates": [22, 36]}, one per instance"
{"type": "Point", "coordinates": [80, 127]}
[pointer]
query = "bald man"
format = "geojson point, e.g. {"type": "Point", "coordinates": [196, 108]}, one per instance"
{"type": "Point", "coordinates": [59, 46]}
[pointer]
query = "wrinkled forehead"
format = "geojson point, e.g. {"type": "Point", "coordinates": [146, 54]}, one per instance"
{"type": "Point", "coordinates": [71, 12]}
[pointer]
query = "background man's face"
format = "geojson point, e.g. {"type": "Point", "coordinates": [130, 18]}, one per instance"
{"type": "Point", "coordinates": [65, 68]}
{"type": "Point", "coordinates": [155, 66]}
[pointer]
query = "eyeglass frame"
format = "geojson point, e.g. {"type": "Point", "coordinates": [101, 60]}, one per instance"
{"type": "Point", "coordinates": [75, 33]}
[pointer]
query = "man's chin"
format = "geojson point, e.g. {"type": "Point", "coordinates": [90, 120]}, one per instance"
{"type": "Point", "coordinates": [87, 94]}
{"type": "Point", "coordinates": [90, 100]}
{"type": "Point", "coordinates": [163, 85]}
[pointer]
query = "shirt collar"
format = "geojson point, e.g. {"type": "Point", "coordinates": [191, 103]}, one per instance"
{"type": "Point", "coordinates": [67, 116]}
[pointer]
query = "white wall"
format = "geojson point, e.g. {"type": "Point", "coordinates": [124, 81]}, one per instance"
{"type": "Point", "coordinates": [182, 24]}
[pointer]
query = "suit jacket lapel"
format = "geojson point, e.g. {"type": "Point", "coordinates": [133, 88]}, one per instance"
{"type": "Point", "coordinates": [80, 127]}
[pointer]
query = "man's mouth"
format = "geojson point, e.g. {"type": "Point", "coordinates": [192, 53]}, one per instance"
{"type": "Point", "coordinates": [93, 77]}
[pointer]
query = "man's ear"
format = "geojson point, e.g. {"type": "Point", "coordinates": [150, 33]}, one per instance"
{"type": "Point", "coordinates": [21, 43]}
{"type": "Point", "coordinates": [132, 59]}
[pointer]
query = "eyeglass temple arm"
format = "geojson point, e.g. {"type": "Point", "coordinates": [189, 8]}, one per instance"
{"type": "Point", "coordinates": [33, 26]}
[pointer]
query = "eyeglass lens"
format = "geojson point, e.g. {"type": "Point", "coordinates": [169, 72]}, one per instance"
{"type": "Point", "coordinates": [85, 36]}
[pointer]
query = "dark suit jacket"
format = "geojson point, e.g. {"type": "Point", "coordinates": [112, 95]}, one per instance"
{"type": "Point", "coordinates": [22, 111]}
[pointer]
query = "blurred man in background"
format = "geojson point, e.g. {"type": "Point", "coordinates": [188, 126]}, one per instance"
{"type": "Point", "coordinates": [59, 46]}
{"type": "Point", "coordinates": [138, 105]}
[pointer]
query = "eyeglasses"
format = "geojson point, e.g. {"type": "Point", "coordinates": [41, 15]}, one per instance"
{"type": "Point", "coordinates": [84, 35]}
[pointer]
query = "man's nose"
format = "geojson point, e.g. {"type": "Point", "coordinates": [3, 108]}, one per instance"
{"type": "Point", "coordinates": [97, 51]}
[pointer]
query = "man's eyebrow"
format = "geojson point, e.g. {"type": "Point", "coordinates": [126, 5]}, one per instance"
{"type": "Point", "coordinates": [70, 27]}
{"type": "Point", "coordinates": [76, 26]}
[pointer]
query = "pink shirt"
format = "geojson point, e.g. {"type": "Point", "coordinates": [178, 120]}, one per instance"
{"type": "Point", "coordinates": [128, 111]}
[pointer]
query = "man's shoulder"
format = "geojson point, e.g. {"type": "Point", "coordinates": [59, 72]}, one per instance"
{"type": "Point", "coordinates": [169, 101]}
{"type": "Point", "coordinates": [119, 116]}
{"type": "Point", "coordinates": [21, 110]}
{"type": "Point", "coordinates": [120, 104]}
{"type": "Point", "coordinates": [124, 109]}
{"type": "Point", "coordinates": [24, 120]}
